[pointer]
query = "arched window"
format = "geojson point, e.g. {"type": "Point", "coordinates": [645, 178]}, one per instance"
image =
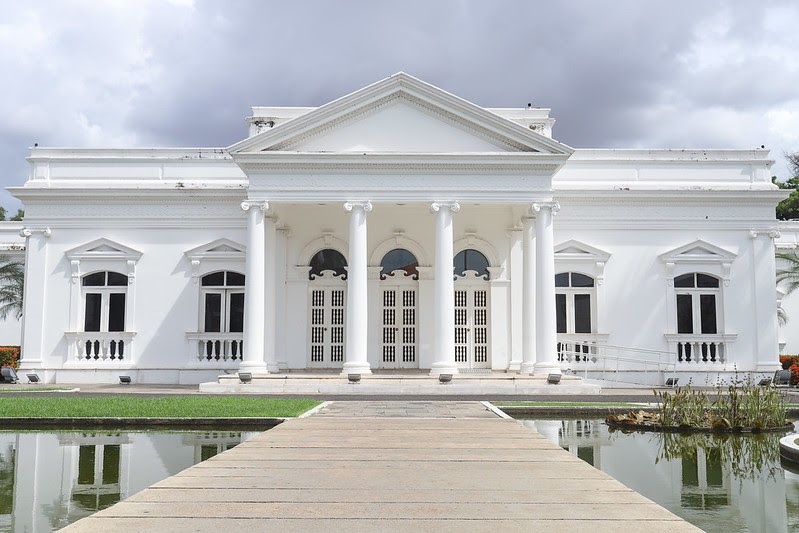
{"type": "Point", "coordinates": [399, 259]}
{"type": "Point", "coordinates": [104, 296]}
{"type": "Point", "coordinates": [471, 259]}
{"type": "Point", "coordinates": [697, 303]}
{"type": "Point", "coordinates": [575, 303]}
{"type": "Point", "coordinates": [328, 259]}
{"type": "Point", "coordinates": [223, 302]}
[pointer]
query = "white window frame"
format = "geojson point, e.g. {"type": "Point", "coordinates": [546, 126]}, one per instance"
{"type": "Point", "coordinates": [696, 309]}
{"type": "Point", "coordinates": [570, 293]}
{"type": "Point", "coordinates": [105, 292]}
{"type": "Point", "coordinates": [226, 292]}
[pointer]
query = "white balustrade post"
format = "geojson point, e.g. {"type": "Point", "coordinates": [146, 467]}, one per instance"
{"type": "Point", "coordinates": [444, 296]}
{"type": "Point", "coordinates": [254, 297]}
{"type": "Point", "coordinates": [357, 291]}
{"type": "Point", "coordinates": [528, 295]}
{"type": "Point", "coordinates": [546, 325]}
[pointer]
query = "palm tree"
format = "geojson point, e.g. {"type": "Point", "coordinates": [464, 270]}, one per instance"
{"type": "Point", "coordinates": [12, 279]}
{"type": "Point", "coordinates": [790, 272]}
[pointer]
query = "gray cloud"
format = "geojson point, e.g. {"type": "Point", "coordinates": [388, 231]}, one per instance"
{"type": "Point", "coordinates": [636, 73]}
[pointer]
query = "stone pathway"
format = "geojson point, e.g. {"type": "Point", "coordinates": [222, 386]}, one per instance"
{"type": "Point", "coordinates": [390, 466]}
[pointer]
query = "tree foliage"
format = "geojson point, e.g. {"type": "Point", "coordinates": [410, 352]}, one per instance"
{"type": "Point", "coordinates": [788, 209]}
{"type": "Point", "coordinates": [12, 280]}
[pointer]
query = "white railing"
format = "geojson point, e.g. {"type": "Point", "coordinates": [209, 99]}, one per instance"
{"type": "Point", "coordinates": [700, 349]}
{"type": "Point", "coordinates": [211, 348]}
{"type": "Point", "coordinates": [617, 363]}
{"type": "Point", "coordinates": [100, 347]}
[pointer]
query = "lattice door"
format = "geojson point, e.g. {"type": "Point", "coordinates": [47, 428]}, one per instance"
{"type": "Point", "coordinates": [472, 327]}
{"type": "Point", "coordinates": [327, 326]}
{"type": "Point", "coordinates": [399, 327]}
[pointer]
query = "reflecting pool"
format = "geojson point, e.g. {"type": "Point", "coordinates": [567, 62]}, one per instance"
{"type": "Point", "coordinates": [51, 479]}
{"type": "Point", "coordinates": [724, 483]}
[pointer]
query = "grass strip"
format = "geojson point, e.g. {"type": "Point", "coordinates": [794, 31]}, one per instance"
{"type": "Point", "coordinates": [160, 407]}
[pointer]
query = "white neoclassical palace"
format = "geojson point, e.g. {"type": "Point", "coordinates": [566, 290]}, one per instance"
{"type": "Point", "coordinates": [327, 238]}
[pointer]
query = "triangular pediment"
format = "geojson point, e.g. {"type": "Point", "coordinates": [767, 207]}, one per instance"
{"type": "Point", "coordinates": [400, 114]}
{"type": "Point", "coordinates": [103, 249]}
{"type": "Point", "coordinates": [698, 251]}
{"type": "Point", "coordinates": [576, 250]}
{"type": "Point", "coordinates": [218, 249]}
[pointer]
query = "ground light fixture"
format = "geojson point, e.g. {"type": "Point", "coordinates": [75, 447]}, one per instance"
{"type": "Point", "coordinates": [9, 375]}
{"type": "Point", "coordinates": [553, 379]}
{"type": "Point", "coordinates": [765, 382]}
{"type": "Point", "coordinates": [124, 380]}
{"type": "Point", "coordinates": [444, 378]}
{"type": "Point", "coordinates": [672, 382]}
{"type": "Point", "coordinates": [245, 377]}
{"type": "Point", "coordinates": [354, 378]}
{"type": "Point", "coordinates": [33, 378]}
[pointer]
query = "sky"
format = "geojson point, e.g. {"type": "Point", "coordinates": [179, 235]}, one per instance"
{"type": "Point", "coordinates": [178, 73]}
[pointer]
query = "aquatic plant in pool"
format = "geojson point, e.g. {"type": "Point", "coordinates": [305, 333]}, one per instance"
{"type": "Point", "coordinates": [743, 406]}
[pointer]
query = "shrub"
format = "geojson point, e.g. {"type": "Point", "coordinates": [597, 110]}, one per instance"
{"type": "Point", "coordinates": [9, 356]}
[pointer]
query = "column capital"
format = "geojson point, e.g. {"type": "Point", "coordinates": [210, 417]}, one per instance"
{"type": "Point", "coordinates": [263, 205]}
{"type": "Point", "coordinates": [366, 206]}
{"type": "Point", "coordinates": [538, 206]}
{"type": "Point", "coordinates": [435, 207]}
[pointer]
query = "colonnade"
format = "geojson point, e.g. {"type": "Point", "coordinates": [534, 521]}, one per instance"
{"type": "Point", "coordinates": [539, 335]}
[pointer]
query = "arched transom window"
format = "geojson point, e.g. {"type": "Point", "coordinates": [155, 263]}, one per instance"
{"type": "Point", "coordinates": [473, 260]}
{"type": "Point", "coordinates": [399, 259]}
{"type": "Point", "coordinates": [327, 259]}
{"type": "Point", "coordinates": [223, 302]}
{"type": "Point", "coordinates": [575, 303]}
{"type": "Point", "coordinates": [697, 303]}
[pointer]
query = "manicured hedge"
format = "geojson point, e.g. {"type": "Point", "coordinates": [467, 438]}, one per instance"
{"type": "Point", "coordinates": [9, 356]}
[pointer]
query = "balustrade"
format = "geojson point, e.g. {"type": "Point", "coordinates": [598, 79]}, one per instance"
{"type": "Point", "coordinates": [100, 347]}
{"type": "Point", "coordinates": [216, 347]}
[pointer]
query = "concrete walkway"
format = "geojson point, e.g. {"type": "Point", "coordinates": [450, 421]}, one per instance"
{"type": "Point", "coordinates": [390, 466]}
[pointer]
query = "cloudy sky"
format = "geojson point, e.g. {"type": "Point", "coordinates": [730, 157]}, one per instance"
{"type": "Point", "coordinates": [629, 73]}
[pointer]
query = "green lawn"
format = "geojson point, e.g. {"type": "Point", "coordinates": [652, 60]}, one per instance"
{"type": "Point", "coordinates": [161, 407]}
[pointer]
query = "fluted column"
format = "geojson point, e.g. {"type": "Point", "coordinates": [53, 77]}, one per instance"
{"type": "Point", "coordinates": [254, 295]}
{"type": "Point", "coordinates": [444, 296]}
{"type": "Point", "coordinates": [528, 295]}
{"type": "Point", "coordinates": [546, 325]}
{"type": "Point", "coordinates": [357, 291]}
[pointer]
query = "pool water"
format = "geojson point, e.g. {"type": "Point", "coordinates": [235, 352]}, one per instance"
{"type": "Point", "coordinates": [724, 484]}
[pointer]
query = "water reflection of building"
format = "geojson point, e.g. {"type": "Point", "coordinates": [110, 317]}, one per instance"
{"type": "Point", "coordinates": [57, 478]}
{"type": "Point", "coordinates": [697, 482]}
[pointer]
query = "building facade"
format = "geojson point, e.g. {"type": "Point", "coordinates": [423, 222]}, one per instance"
{"type": "Point", "coordinates": [325, 241]}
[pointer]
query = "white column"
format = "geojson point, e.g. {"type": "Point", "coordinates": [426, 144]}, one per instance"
{"type": "Point", "coordinates": [528, 295]}
{"type": "Point", "coordinates": [444, 296]}
{"type": "Point", "coordinates": [546, 326]}
{"type": "Point", "coordinates": [270, 293]}
{"type": "Point", "coordinates": [254, 294]}
{"type": "Point", "coordinates": [357, 291]}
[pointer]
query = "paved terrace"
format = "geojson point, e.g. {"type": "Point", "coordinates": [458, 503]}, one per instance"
{"type": "Point", "coordinates": [390, 466]}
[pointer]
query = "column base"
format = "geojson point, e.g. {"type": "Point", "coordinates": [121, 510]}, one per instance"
{"type": "Point", "coordinates": [253, 368]}
{"type": "Point", "coordinates": [527, 368]}
{"type": "Point", "coordinates": [547, 368]}
{"type": "Point", "coordinates": [443, 368]}
{"type": "Point", "coordinates": [356, 367]}
{"type": "Point", "coordinates": [515, 366]}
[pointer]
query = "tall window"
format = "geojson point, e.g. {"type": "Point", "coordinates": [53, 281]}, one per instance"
{"type": "Point", "coordinates": [697, 303]}
{"type": "Point", "coordinates": [470, 259]}
{"type": "Point", "coordinates": [223, 302]}
{"type": "Point", "coordinates": [575, 297]}
{"type": "Point", "coordinates": [104, 296]}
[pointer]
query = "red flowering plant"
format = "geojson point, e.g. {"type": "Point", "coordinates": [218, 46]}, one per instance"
{"type": "Point", "coordinates": [9, 356]}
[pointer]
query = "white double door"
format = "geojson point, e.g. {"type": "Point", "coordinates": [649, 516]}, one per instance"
{"type": "Point", "coordinates": [472, 324]}
{"type": "Point", "coordinates": [399, 325]}
{"type": "Point", "coordinates": [327, 326]}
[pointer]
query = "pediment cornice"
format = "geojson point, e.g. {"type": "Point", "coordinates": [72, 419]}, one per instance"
{"type": "Point", "coordinates": [432, 100]}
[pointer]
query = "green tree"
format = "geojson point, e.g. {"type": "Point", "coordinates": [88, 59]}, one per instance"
{"type": "Point", "coordinates": [789, 208]}
{"type": "Point", "coordinates": [12, 281]}
{"type": "Point", "coordinates": [16, 218]}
